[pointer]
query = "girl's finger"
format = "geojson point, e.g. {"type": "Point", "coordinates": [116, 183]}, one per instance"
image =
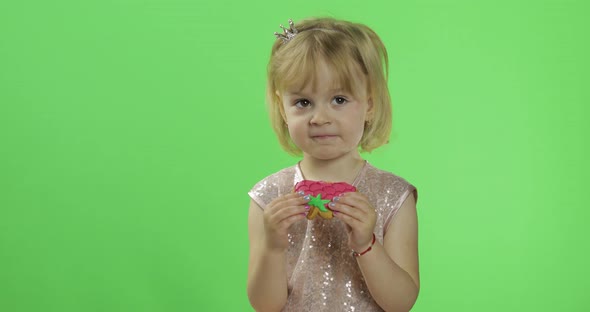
{"type": "Point", "coordinates": [287, 222]}
{"type": "Point", "coordinates": [293, 199]}
{"type": "Point", "coordinates": [340, 208]}
{"type": "Point", "coordinates": [281, 214]}
{"type": "Point", "coordinates": [354, 200]}
{"type": "Point", "coordinates": [350, 222]}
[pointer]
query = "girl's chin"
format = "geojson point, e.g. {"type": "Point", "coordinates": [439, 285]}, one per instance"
{"type": "Point", "coordinates": [326, 154]}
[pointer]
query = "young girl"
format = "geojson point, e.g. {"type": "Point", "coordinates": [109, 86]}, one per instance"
{"type": "Point", "coordinates": [328, 97]}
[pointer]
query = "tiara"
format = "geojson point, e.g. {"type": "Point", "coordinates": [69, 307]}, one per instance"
{"type": "Point", "coordinates": [287, 34]}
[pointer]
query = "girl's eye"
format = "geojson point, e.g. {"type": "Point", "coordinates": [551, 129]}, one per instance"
{"type": "Point", "coordinates": [340, 100]}
{"type": "Point", "coordinates": [302, 103]}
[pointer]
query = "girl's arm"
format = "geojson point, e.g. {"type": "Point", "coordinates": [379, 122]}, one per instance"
{"type": "Point", "coordinates": [267, 267]}
{"type": "Point", "coordinates": [267, 272]}
{"type": "Point", "coordinates": [391, 269]}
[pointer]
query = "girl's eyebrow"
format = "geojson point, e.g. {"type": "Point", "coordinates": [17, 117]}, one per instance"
{"type": "Point", "coordinates": [300, 93]}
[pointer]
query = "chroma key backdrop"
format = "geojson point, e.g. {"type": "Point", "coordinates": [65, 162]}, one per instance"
{"type": "Point", "coordinates": [132, 130]}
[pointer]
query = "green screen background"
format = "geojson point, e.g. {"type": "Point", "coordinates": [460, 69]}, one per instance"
{"type": "Point", "coordinates": [131, 131]}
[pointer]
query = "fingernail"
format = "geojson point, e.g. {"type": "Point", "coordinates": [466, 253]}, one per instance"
{"type": "Point", "coordinates": [306, 207]}
{"type": "Point", "coordinates": [306, 197]}
{"type": "Point", "coordinates": [335, 212]}
{"type": "Point", "coordinates": [304, 214]}
{"type": "Point", "coordinates": [331, 204]}
{"type": "Point", "coordinates": [301, 193]}
{"type": "Point", "coordinates": [336, 198]}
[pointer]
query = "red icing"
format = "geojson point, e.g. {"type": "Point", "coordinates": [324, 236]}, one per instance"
{"type": "Point", "coordinates": [327, 189]}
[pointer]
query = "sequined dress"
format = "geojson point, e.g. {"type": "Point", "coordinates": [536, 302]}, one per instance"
{"type": "Point", "coordinates": [322, 273]}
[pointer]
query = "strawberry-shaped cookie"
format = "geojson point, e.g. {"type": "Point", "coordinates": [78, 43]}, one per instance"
{"type": "Point", "coordinates": [321, 194]}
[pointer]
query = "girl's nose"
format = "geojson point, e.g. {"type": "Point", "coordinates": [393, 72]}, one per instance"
{"type": "Point", "coordinates": [320, 115]}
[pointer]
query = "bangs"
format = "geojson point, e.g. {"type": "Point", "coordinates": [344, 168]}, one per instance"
{"type": "Point", "coordinates": [296, 66]}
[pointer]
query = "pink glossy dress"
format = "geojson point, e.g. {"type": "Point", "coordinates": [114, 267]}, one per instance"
{"type": "Point", "coordinates": [322, 273]}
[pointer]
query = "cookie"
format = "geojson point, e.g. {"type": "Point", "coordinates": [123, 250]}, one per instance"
{"type": "Point", "coordinates": [321, 194]}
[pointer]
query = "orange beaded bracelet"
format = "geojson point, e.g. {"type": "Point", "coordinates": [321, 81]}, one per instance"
{"type": "Point", "coordinates": [357, 254]}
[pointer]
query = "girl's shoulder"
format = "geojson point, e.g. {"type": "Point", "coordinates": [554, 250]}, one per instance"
{"type": "Point", "coordinates": [273, 186]}
{"type": "Point", "coordinates": [387, 191]}
{"type": "Point", "coordinates": [376, 175]}
{"type": "Point", "coordinates": [383, 182]}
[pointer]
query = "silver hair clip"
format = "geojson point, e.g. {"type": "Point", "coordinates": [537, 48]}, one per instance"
{"type": "Point", "coordinates": [288, 33]}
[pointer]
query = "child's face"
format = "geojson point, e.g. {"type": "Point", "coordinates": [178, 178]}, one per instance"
{"type": "Point", "coordinates": [326, 123]}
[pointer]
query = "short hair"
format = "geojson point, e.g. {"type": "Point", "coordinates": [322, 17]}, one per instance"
{"type": "Point", "coordinates": [347, 48]}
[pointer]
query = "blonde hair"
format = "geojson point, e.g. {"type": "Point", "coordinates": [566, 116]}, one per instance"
{"type": "Point", "coordinates": [347, 48]}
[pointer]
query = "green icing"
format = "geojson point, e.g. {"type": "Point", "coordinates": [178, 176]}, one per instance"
{"type": "Point", "coordinates": [319, 202]}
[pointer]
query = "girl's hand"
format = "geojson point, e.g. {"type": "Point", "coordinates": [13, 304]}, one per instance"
{"type": "Point", "coordinates": [279, 215]}
{"type": "Point", "coordinates": [359, 216]}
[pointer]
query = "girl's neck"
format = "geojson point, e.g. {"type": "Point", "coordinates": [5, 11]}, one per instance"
{"type": "Point", "coordinates": [344, 169]}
